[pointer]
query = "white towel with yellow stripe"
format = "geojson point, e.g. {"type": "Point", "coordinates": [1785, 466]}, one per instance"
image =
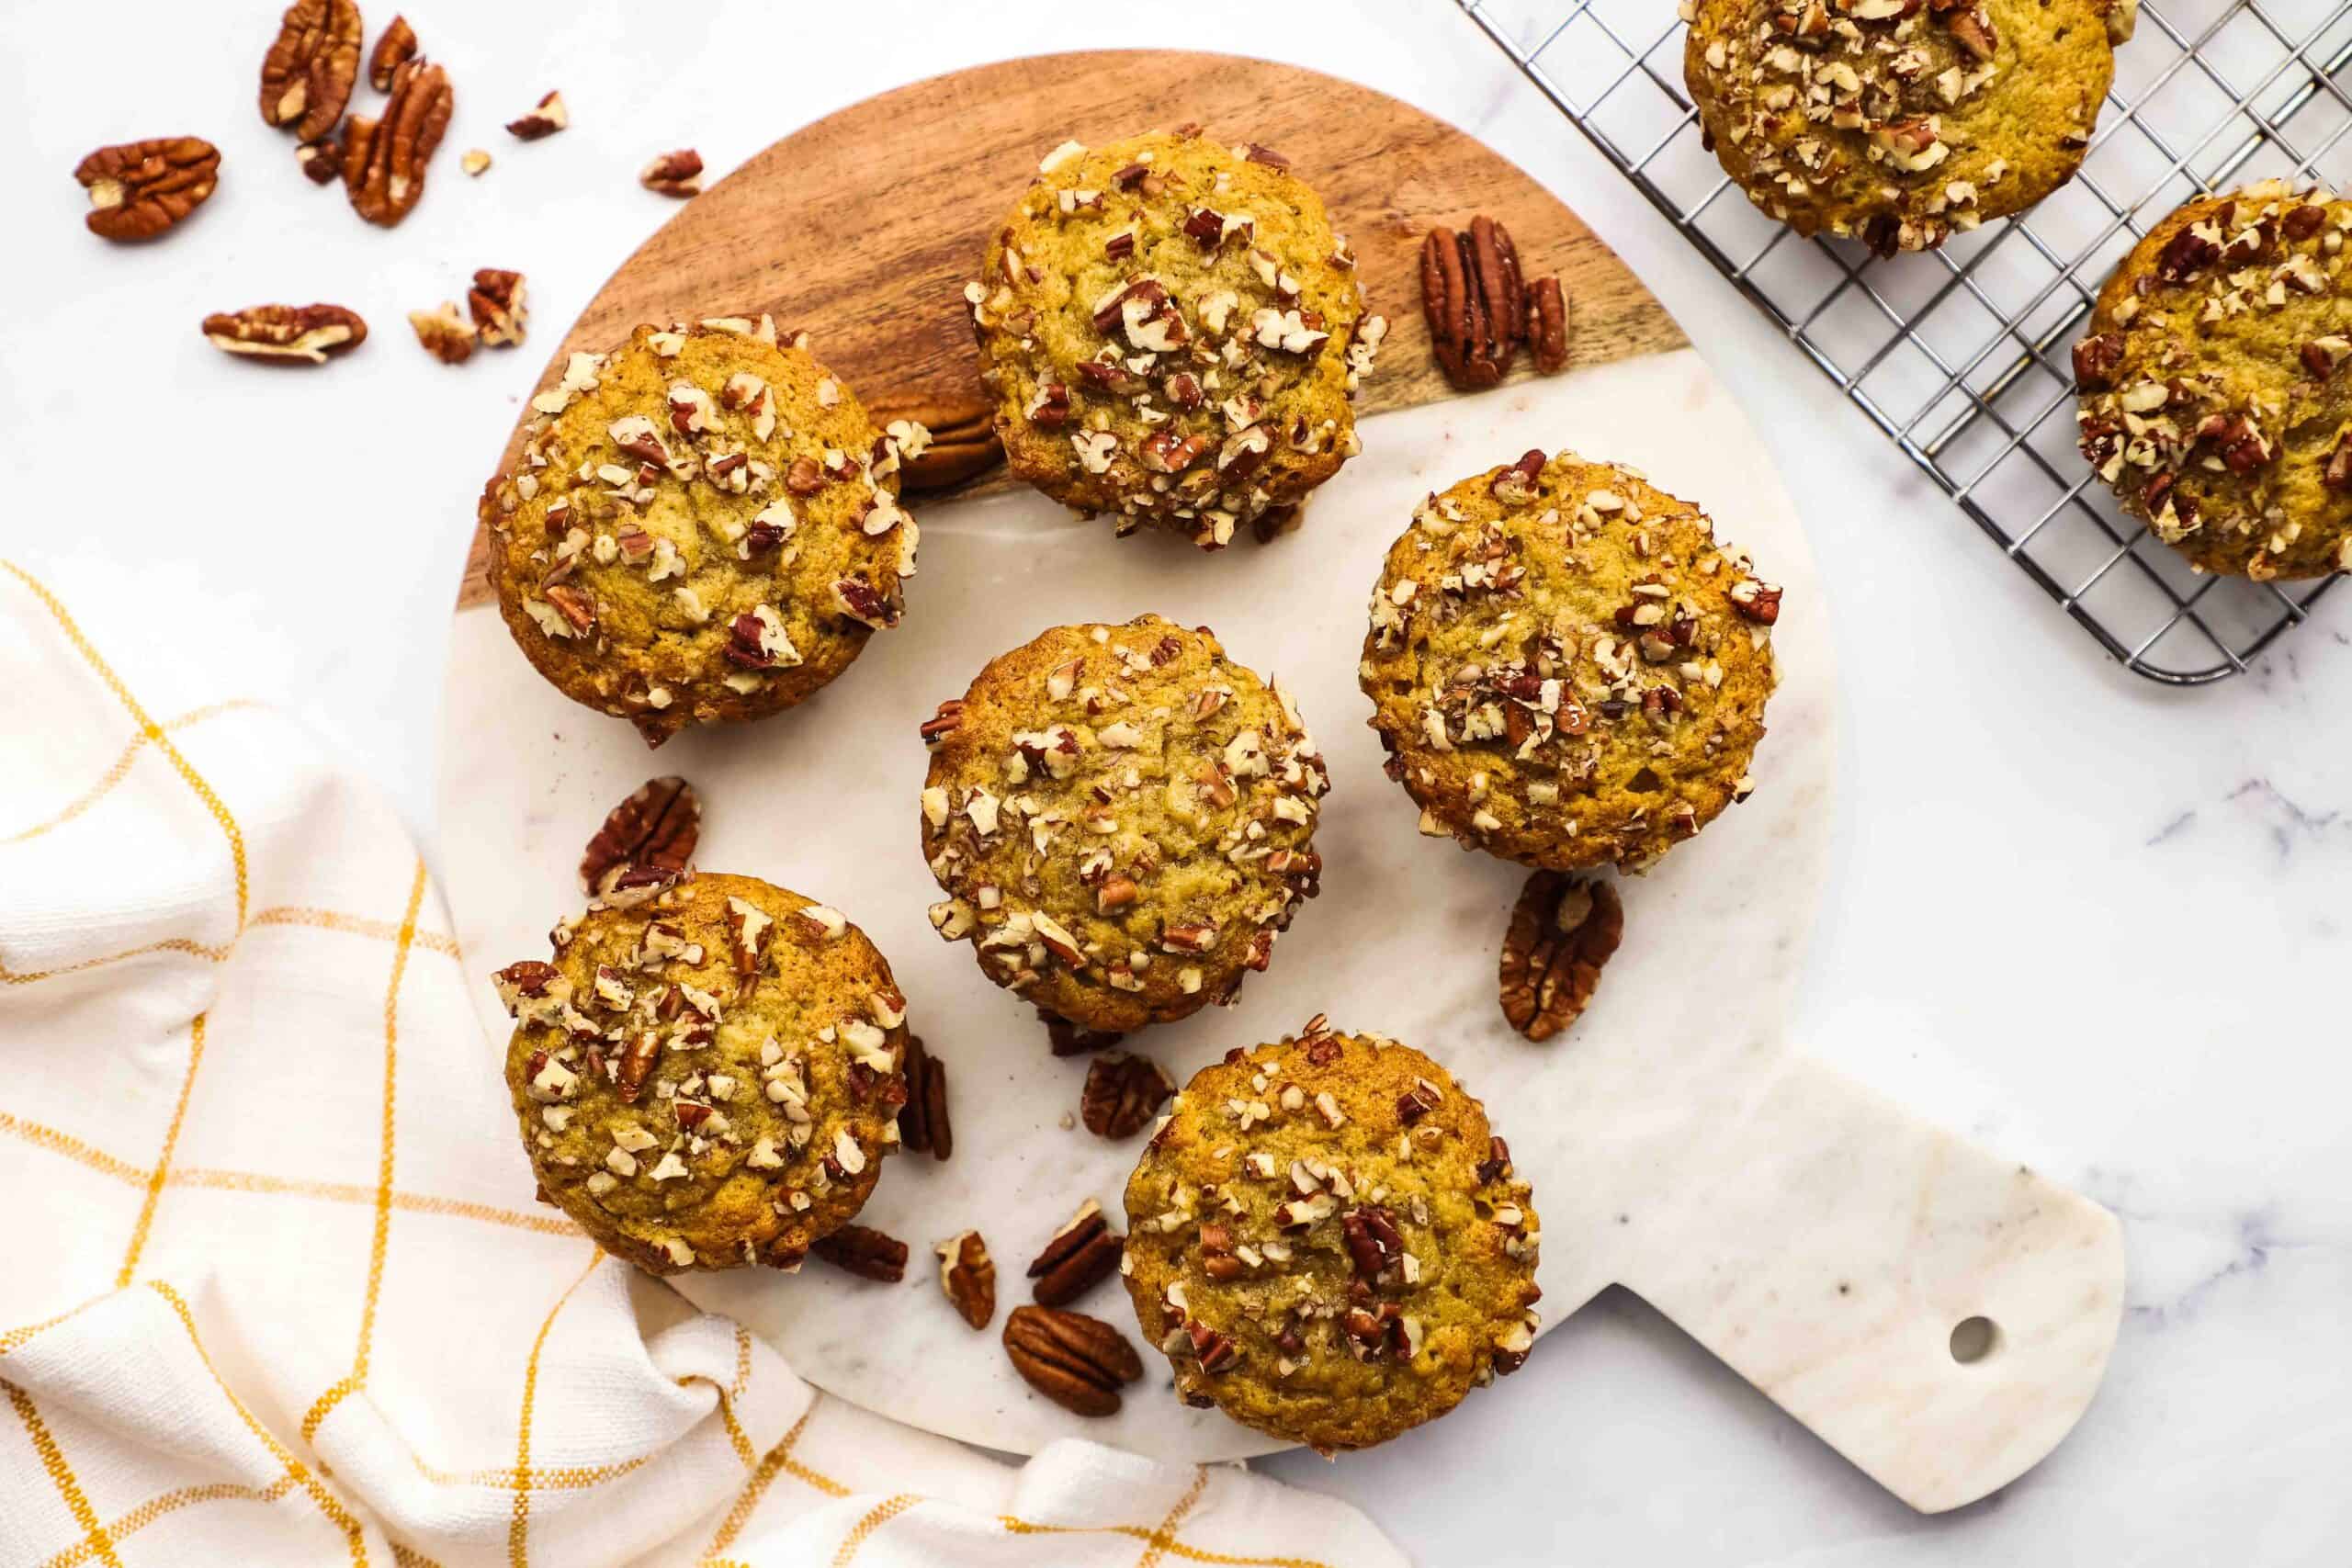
{"type": "Point", "coordinates": [276, 1289]}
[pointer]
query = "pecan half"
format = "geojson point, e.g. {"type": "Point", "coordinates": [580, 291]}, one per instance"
{"type": "Point", "coordinates": [1548, 325]}
{"type": "Point", "coordinates": [1562, 930]}
{"type": "Point", "coordinates": [1074, 1040]}
{"type": "Point", "coordinates": [547, 117]}
{"type": "Point", "coordinates": [1470, 347]}
{"type": "Point", "coordinates": [1079, 1257]}
{"type": "Point", "coordinates": [500, 313]}
{"type": "Point", "coordinates": [1123, 1094]}
{"type": "Point", "coordinates": [395, 48]}
{"type": "Point", "coordinates": [445, 334]}
{"type": "Point", "coordinates": [866, 1252]}
{"type": "Point", "coordinates": [384, 159]}
{"type": "Point", "coordinates": [138, 189]}
{"type": "Point", "coordinates": [677, 173]}
{"type": "Point", "coordinates": [961, 439]}
{"type": "Point", "coordinates": [969, 1276]}
{"type": "Point", "coordinates": [922, 1121]}
{"type": "Point", "coordinates": [286, 334]}
{"type": "Point", "coordinates": [1495, 262]}
{"type": "Point", "coordinates": [1077, 1362]}
{"type": "Point", "coordinates": [306, 77]}
{"type": "Point", "coordinates": [656, 827]}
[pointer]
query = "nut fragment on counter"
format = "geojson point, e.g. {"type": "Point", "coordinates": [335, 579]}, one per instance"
{"type": "Point", "coordinates": [942, 441]}
{"type": "Point", "coordinates": [138, 189]}
{"type": "Point", "coordinates": [320, 161]}
{"type": "Point", "coordinates": [547, 117]}
{"type": "Point", "coordinates": [1123, 1094]}
{"type": "Point", "coordinates": [969, 1276]}
{"type": "Point", "coordinates": [652, 833]}
{"type": "Point", "coordinates": [384, 159]}
{"type": "Point", "coordinates": [1077, 1362]}
{"type": "Point", "coordinates": [677, 173]}
{"type": "Point", "coordinates": [923, 1125]}
{"type": "Point", "coordinates": [496, 301]}
{"type": "Point", "coordinates": [446, 335]}
{"type": "Point", "coordinates": [1079, 1257]}
{"type": "Point", "coordinates": [394, 48]}
{"type": "Point", "coordinates": [1562, 930]}
{"type": "Point", "coordinates": [286, 334]}
{"type": "Point", "coordinates": [866, 1252]}
{"type": "Point", "coordinates": [474, 160]}
{"type": "Point", "coordinates": [307, 75]}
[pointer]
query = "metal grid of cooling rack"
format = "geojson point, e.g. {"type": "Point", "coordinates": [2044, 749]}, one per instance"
{"type": "Point", "coordinates": [1963, 355]}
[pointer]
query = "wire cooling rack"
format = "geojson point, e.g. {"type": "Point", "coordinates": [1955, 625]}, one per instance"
{"type": "Point", "coordinates": [1964, 355]}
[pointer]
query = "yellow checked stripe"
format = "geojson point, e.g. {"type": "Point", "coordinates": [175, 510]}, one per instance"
{"type": "Point", "coordinates": [354, 925]}
{"type": "Point", "coordinates": [155, 1509]}
{"type": "Point", "coordinates": [61, 1474]}
{"type": "Point", "coordinates": [884, 1512]}
{"type": "Point", "coordinates": [121, 768]}
{"type": "Point", "coordinates": [163, 1160]}
{"type": "Point", "coordinates": [1170, 1546]}
{"type": "Point", "coordinates": [153, 731]}
{"type": "Point", "coordinates": [518, 1531]}
{"type": "Point", "coordinates": [169, 944]}
{"type": "Point", "coordinates": [778, 1461]}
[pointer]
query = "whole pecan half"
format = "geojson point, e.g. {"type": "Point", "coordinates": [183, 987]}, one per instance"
{"type": "Point", "coordinates": [1074, 1040]}
{"type": "Point", "coordinates": [1562, 930]}
{"type": "Point", "coordinates": [1450, 301]}
{"type": "Point", "coordinates": [922, 1121]}
{"type": "Point", "coordinates": [1495, 262]}
{"type": "Point", "coordinates": [959, 440]}
{"type": "Point", "coordinates": [384, 159]}
{"type": "Point", "coordinates": [497, 302]}
{"type": "Point", "coordinates": [1079, 1256]}
{"type": "Point", "coordinates": [677, 173]}
{"type": "Point", "coordinates": [444, 334]}
{"type": "Point", "coordinates": [656, 827]}
{"type": "Point", "coordinates": [866, 1252]}
{"type": "Point", "coordinates": [1077, 1362]}
{"type": "Point", "coordinates": [969, 1276]}
{"type": "Point", "coordinates": [1548, 325]}
{"type": "Point", "coordinates": [394, 48]}
{"type": "Point", "coordinates": [286, 334]}
{"type": "Point", "coordinates": [138, 189]}
{"type": "Point", "coordinates": [1123, 1094]}
{"type": "Point", "coordinates": [306, 77]}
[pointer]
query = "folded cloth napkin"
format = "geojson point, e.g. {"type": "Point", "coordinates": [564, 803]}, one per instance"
{"type": "Point", "coordinates": [281, 1295]}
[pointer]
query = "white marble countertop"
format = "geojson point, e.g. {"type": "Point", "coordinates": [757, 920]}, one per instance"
{"type": "Point", "coordinates": [2092, 922]}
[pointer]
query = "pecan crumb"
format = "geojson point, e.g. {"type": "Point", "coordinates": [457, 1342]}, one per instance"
{"type": "Point", "coordinates": [496, 301]}
{"type": "Point", "coordinates": [444, 334]}
{"type": "Point", "coordinates": [547, 117]}
{"type": "Point", "coordinates": [969, 1276]}
{"type": "Point", "coordinates": [677, 173]}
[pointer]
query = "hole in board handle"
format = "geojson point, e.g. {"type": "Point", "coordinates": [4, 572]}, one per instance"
{"type": "Point", "coordinates": [1974, 1338]}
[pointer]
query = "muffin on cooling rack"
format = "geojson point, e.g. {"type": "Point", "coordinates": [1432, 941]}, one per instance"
{"type": "Point", "coordinates": [1172, 333]}
{"type": "Point", "coordinates": [1566, 669]}
{"type": "Point", "coordinates": [1899, 122]}
{"type": "Point", "coordinates": [1123, 819]}
{"type": "Point", "coordinates": [1328, 1242]}
{"type": "Point", "coordinates": [702, 527]}
{"type": "Point", "coordinates": [707, 1072]}
{"type": "Point", "coordinates": [2213, 392]}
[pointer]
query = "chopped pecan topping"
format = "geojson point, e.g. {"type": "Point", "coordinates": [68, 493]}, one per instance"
{"type": "Point", "coordinates": [1755, 600]}
{"type": "Point", "coordinates": [2096, 359]}
{"type": "Point", "coordinates": [1123, 1094]}
{"type": "Point", "coordinates": [866, 1252]}
{"type": "Point", "coordinates": [1077, 1362]}
{"type": "Point", "coordinates": [1079, 1256]}
{"type": "Point", "coordinates": [307, 75]}
{"type": "Point", "coordinates": [1562, 930]}
{"type": "Point", "coordinates": [138, 189]}
{"type": "Point", "coordinates": [655, 829]}
{"type": "Point", "coordinates": [969, 1276]}
{"type": "Point", "coordinates": [286, 334]}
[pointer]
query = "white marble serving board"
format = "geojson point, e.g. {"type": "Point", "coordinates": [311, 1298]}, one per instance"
{"type": "Point", "coordinates": [1821, 1241]}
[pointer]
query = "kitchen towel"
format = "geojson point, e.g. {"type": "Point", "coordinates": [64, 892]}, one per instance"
{"type": "Point", "coordinates": [278, 1291]}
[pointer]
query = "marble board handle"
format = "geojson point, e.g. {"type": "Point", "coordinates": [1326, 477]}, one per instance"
{"type": "Point", "coordinates": [1838, 1251]}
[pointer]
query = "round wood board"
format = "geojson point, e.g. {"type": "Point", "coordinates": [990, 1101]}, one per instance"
{"type": "Point", "coordinates": [1621, 1125]}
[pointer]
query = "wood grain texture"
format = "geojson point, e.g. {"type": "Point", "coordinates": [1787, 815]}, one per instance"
{"type": "Point", "coordinates": [862, 228]}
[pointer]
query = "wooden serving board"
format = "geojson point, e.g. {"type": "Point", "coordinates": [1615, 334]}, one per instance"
{"type": "Point", "coordinates": [868, 251]}
{"type": "Point", "coordinates": [1843, 1256]}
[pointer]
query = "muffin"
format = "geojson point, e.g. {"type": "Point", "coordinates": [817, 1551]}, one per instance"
{"type": "Point", "coordinates": [1895, 121]}
{"type": "Point", "coordinates": [1329, 1243]}
{"type": "Point", "coordinates": [1566, 668]}
{"type": "Point", "coordinates": [2212, 391]}
{"type": "Point", "coordinates": [707, 1072]}
{"type": "Point", "coordinates": [1123, 820]}
{"type": "Point", "coordinates": [1171, 334]}
{"type": "Point", "coordinates": [702, 527]}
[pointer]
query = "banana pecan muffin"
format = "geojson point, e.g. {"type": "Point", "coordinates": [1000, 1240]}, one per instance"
{"type": "Point", "coordinates": [2213, 396]}
{"type": "Point", "coordinates": [1123, 819]}
{"type": "Point", "coordinates": [1566, 668]}
{"type": "Point", "coordinates": [1172, 333]}
{"type": "Point", "coordinates": [708, 1070]}
{"type": "Point", "coordinates": [1328, 1242]}
{"type": "Point", "coordinates": [1899, 122]}
{"type": "Point", "coordinates": [702, 527]}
